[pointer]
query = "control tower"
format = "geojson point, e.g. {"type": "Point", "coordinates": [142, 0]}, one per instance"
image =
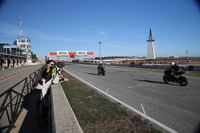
{"type": "Point", "coordinates": [150, 48]}
{"type": "Point", "coordinates": [24, 43]}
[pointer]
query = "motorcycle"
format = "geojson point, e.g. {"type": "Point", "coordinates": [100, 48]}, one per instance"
{"type": "Point", "coordinates": [176, 77]}
{"type": "Point", "coordinates": [101, 70]}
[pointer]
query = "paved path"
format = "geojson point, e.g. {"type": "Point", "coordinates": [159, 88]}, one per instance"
{"type": "Point", "coordinates": [27, 122]}
{"type": "Point", "coordinates": [63, 119]}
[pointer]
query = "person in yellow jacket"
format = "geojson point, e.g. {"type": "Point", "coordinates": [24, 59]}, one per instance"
{"type": "Point", "coordinates": [50, 75]}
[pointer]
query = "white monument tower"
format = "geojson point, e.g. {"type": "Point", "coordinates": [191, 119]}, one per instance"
{"type": "Point", "coordinates": [150, 48]}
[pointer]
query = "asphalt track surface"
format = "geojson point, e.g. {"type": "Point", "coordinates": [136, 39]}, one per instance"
{"type": "Point", "coordinates": [175, 106]}
{"type": "Point", "coordinates": [9, 77]}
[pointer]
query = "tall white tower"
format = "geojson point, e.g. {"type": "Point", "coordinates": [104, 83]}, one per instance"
{"type": "Point", "coordinates": [150, 48]}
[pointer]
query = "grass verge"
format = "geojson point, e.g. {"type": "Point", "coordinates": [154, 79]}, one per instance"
{"type": "Point", "coordinates": [96, 113]}
{"type": "Point", "coordinates": [193, 73]}
{"type": "Point", "coordinates": [188, 73]}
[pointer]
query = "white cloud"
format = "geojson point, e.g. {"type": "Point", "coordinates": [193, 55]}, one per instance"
{"type": "Point", "coordinates": [52, 37]}
{"type": "Point", "coordinates": [104, 33]}
{"type": "Point", "coordinates": [10, 30]}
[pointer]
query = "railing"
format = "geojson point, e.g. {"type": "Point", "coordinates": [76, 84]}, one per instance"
{"type": "Point", "coordinates": [14, 100]}
{"type": "Point", "coordinates": [33, 77]}
{"type": "Point", "coordinates": [11, 54]}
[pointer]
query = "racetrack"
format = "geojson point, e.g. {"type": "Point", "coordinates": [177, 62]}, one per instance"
{"type": "Point", "coordinates": [173, 105]}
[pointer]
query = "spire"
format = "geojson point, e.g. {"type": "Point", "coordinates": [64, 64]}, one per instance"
{"type": "Point", "coordinates": [150, 36]}
{"type": "Point", "coordinates": [150, 47]}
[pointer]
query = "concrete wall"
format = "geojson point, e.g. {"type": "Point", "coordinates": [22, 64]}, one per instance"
{"type": "Point", "coordinates": [63, 118]}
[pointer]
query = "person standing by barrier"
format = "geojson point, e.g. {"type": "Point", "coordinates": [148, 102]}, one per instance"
{"type": "Point", "coordinates": [50, 75]}
{"type": "Point", "coordinates": [41, 101]}
{"type": "Point", "coordinates": [59, 77]}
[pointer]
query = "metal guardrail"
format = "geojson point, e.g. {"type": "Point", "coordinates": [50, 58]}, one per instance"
{"type": "Point", "coordinates": [14, 100]}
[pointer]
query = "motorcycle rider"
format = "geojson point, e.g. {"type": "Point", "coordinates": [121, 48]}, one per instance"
{"type": "Point", "coordinates": [101, 67]}
{"type": "Point", "coordinates": [174, 69]}
{"type": "Point", "coordinates": [174, 74]}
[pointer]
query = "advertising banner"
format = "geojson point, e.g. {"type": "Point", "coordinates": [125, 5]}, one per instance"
{"type": "Point", "coordinates": [62, 53]}
{"type": "Point", "coordinates": [81, 53]}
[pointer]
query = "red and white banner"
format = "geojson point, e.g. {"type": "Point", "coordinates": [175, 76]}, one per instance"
{"type": "Point", "coordinates": [81, 53]}
{"type": "Point", "coordinates": [62, 53]}
{"type": "Point", "coordinates": [66, 53]}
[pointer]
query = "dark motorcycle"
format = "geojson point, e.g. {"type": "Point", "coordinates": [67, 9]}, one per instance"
{"type": "Point", "coordinates": [176, 77]}
{"type": "Point", "coordinates": [101, 70]}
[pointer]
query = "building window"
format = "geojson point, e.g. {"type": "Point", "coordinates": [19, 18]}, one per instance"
{"type": "Point", "coordinates": [23, 45]}
{"type": "Point", "coordinates": [28, 46]}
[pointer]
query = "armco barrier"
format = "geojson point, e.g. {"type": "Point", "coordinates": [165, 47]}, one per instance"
{"type": "Point", "coordinates": [189, 67]}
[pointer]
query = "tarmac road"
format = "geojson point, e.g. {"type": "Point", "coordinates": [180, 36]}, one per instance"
{"type": "Point", "coordinates": [173, 105]}
{"type": "Point", "coordinates": [9, 77]}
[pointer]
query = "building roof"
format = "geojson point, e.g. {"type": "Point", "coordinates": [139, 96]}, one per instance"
{"type": "Point", "coordinates": [4, 43]}
{"type": "Point", "coordinates": [23, 38]}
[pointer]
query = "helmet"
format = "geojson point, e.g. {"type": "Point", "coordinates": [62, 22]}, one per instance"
{"type": "Point", "coordinates": [172, 63]}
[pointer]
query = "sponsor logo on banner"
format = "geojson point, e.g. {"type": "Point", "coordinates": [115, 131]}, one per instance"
{"type": "Point", "coordinates": [62, 53]}
{"type": "Point", "coordinates": [81, 53]}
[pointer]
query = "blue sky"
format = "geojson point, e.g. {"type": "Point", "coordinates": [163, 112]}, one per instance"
{"type": "Point", "coordinates": [121, 25]}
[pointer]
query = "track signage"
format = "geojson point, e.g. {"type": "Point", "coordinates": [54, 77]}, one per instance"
{"type": "Point", "coordinates": [62, 53]}
{"type": "Point", "coordinates": [81, 53]}
{"type": "Point", "coordinates": [66, 53]}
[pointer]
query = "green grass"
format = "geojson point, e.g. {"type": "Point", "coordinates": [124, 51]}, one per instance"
{"type": "Point", "coordinates": [193, 73]}
{"type": "Point", "coordinates": [97, 114]}
{"type": "Point", "coordinates": [188, 73]}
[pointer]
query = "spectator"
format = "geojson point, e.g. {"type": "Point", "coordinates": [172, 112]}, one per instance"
{"type": "Point", "coordinates": [59, 77]}
{"type": "Point", "coordinates": [50, 75]}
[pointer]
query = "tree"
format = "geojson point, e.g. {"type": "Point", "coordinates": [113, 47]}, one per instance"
{"type": "Point", "coordinates": [34, 57]}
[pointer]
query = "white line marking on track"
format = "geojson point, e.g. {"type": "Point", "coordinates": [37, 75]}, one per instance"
{"type": "Point", "coordinates": [143, 109]}
{"type": "Point", "coordinates": [126, 105]}
{"type": "Point", "coordinates": [107, 90]}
